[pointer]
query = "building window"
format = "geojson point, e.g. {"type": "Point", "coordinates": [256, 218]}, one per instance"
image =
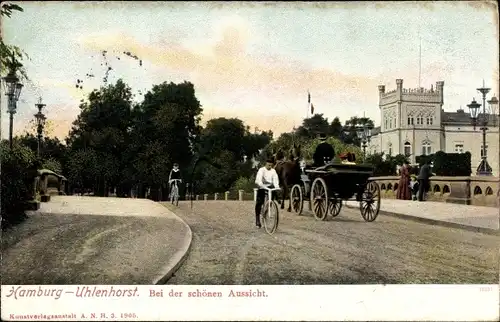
{"type": "Point", "coordinates": [386, 123]}
{"type": "Point", "coordinates": [426, 149]}
{"type": "Point", "coordinates": [483, 152]}
{"type": "Point", "coordinates": [390, 149]}
{"type": "Point", "coordinates": [420, 120]}
{"type": "Point", "coordinates": [407, 149]}
{"type": "Point", "coordinates": [459, 148]}
{"type": "Point", "coordinates": [410, 120]}
{"type": "Point", "coordinates": [395, 124]}
{"type": "Point", "coordinates": [430, 120]}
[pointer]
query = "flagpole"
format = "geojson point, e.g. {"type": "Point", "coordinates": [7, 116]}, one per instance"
{"type": "Point", "coordinates": [420, 61]}
{"type": "Point", "coordinates": [308, 103]}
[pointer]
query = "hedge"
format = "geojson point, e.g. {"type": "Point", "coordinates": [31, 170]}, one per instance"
{"type": "Point", "coordinates": [448, 164]}
{"type": "Point", "coordinates": [19, 166]}
{"type": "Point", "coordinates": [452, 164]}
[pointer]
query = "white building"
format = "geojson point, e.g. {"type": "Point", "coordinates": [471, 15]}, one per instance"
{"type": "Point", "coordinates": [414, 123]}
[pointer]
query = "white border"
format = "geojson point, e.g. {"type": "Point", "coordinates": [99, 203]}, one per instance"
{"type": "Point", "coordinates": [316, 302]}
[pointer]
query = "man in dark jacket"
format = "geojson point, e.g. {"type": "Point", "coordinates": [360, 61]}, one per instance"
{"type": "Point", "coordinates": [324, 152]}
{"type": "Point", "coordinates": [423, 180]}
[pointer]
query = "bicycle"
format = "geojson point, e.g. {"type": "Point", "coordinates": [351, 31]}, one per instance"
{"type": "Point", "coordinates": [174, 194]}
{"type": "Point", "coordinates": [270, 211]}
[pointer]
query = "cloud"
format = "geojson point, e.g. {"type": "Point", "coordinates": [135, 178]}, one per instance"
{"type": "Point", "coordinates": [224, 64]}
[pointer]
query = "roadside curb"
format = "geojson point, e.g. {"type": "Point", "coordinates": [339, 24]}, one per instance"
{"type": "Point", "coordinates": [179, 257]}
{"type": "Point", "coordinates": [488, 231]}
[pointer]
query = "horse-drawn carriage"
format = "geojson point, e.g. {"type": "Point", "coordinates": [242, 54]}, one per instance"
{"type": "Point", "coordinates": [325, 188]}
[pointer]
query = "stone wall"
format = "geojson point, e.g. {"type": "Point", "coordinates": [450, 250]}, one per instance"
{"type": "Point", "coordinates": [474, 190]}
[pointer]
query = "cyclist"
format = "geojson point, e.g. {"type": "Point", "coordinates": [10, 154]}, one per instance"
{"type": "Point", "coordinates": [175, 174]}
{"type": "Point", "coordinates": [266, 178]}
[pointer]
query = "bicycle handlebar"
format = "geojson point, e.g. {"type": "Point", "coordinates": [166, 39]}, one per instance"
{"type": "Point", "coordinates": [175, 179]}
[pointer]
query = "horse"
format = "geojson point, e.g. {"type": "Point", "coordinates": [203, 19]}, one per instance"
{"type": "Point", "coordinates": [289, 174]}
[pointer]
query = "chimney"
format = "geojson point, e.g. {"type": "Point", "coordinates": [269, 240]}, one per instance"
{"type": "Point", "coordinates": [399, 84]}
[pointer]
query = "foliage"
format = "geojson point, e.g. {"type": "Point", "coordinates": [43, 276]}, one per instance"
{"type": "Point", "coordinates": [52, 164]}
{"type": "Point", "coordinates": [452, 164]}
{"type": "Point", "coordinates": [385, 165]}
{"type": "Point", "coordinates": [245, 184]}
{"type": "Point", "coordinates": [17, 166]}
{"type": "Point", "coordinates": [423, 159]}
{"type": "Point", "coordinates": [338, 146]}
{"type": "Point", "coordinates": [10, 52]}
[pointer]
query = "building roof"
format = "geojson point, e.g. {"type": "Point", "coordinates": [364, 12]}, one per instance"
{"type": "Point", "coordinates": [461, 117]}
{"type": "Point", "coordinates": [376, 130]}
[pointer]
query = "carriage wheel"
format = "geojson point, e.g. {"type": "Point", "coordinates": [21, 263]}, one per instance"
{"type": "Point", "coordinates": [297, 198]}
{"type": "Point", "coordinates": [369, 204]}
{"type": "Point", "coordinates": [319, 198]}
{"type": "Point", "coordinates": [334, 206]}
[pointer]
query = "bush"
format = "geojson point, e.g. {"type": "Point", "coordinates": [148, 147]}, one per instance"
{"type": "Point", "coordinates": [452, 164]}
{"type": "Point", "coordinates": [422, 159]}
{"type": "Point", "coordinates": [246, 184]}
{"type": "Point", "coordinates": [339, 147]}
{"type": "Point", "coordinates": [385, 167]}
{"type": "Point", "coordinates": [18, 168]}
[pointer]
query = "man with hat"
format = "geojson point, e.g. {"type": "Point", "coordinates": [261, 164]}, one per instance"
{"type": "Point", "coordinates": [324, 152]}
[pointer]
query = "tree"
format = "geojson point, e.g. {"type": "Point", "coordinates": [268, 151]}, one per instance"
{"type": "Point", "coordinates": [313, 126]}
{"type": "Point", "coordinates": [351, 126]}
{"type": "Point", "coordinates": [165, 127]}
{"type": "Point", "coordinates": [336, 128]}
{"type": "Point", "coordinates": [227, 142]}
{"type": "Point", "coordinates": [100, 135]}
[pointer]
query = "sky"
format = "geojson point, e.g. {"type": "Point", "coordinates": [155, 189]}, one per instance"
{"type": "Point", "coordinates": [255, 61]}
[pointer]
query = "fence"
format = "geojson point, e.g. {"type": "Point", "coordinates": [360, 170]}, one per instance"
{"type": "Point", "coordinates": [239, 195]}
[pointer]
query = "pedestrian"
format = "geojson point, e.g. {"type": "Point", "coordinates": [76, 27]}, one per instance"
{"type": "Point", "coordinates": [266, 178]}
{"type": "Point", "coordinates": [424, 180]}
{"type": "Point", "coordinates": [414, 186]}
{"type": "Point", "coordinates": [404, 182]}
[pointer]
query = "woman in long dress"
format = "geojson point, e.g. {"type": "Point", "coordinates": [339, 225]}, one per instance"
{"type": "Point", "coordinates": [404, 183]}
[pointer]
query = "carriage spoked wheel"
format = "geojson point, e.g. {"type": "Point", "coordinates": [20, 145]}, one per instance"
{"type": "Point", "coordinates": [319, 199]}
{"type": "Point", "coordinates": [335, 206]}
{"type": "Point", "coordinates": [369, 204]}
{"type": "Point", "coordinates": [297, 198]}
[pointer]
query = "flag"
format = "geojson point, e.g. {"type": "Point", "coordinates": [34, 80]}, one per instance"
{"type": "Point", "coordinates": [312, 109]}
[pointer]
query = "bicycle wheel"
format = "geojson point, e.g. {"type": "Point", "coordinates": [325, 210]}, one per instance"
{"type": "Point", "coordinates": [270, 217]}
{"type": "Point", "coordinates": [176, 196]}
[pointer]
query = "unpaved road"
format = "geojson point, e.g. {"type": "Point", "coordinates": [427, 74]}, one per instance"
{"type": "Point", "coordinates": [228, 249]}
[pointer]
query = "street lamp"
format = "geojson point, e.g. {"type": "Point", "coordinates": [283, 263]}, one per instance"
{"type": "Point", "coordinates": [364, 134]}
{"type": "Point", "coordinates": [474, 108]}
{"type": "Point", "coordinates": [493, 102]}
{"type": "Point", "coordinates": [12, 88]}
{"type": "Point", "coordinates": [40, 124]}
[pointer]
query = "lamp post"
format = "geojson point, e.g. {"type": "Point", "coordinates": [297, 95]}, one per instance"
{"type": "Point", "coordinates": [12, 89]}
{"type": "Point", "coordinates": [484, 168]}
{"type": "Point", "coordinates": [40, 123]}
{"type": "Point", "coordinates": [364, 134]}
{"type": "Point", "coordinates": [493, 103]}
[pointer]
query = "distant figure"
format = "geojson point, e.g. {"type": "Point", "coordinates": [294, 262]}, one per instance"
{"type": "Point", "coordinates": [175, 174]}
{"type": "Point", "coordinates": [423, 180]}
{"type": "Point", "coordinates": [347, 158]}
{"type": "Point", "coordinates": [324, 152]}
{"type": "Point", "coordinates": [414, 186]}
{"type": "Point", "coordinates": [404, 182]}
